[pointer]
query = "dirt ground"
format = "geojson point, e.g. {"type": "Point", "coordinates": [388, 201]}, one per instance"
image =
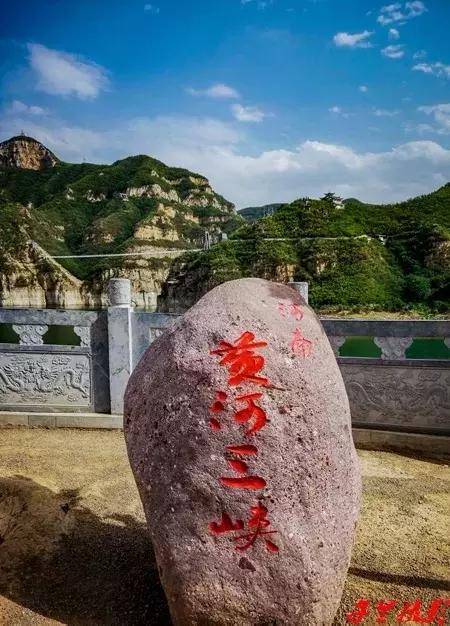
{"type": "Point", "coordinates": [74, 548]}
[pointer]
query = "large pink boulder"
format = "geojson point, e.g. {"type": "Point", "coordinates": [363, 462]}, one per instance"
{"type": "Point", "coordinates": [238, 432]}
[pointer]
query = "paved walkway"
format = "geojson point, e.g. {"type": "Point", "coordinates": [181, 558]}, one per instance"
{"type": "Point", "coordinates": [78, 553]}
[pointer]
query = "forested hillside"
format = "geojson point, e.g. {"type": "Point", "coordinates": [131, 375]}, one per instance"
{"type": "Point", "coordinates": [353, 255]}
{"type": "Point", "coordinates": [137, 207]}
{"type": "Point", "coordinates": [86, 208]}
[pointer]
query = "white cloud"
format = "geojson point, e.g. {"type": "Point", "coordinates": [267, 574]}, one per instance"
{"type": "Point", "coordinates": [338, 111]}
{"type": "Point", "coordinates": [261, 4]}
{"type": "Point", "coordinates": [394, 33]}
{"type": "Point", "coordinates": [355, 40]}
{"type": "Point", "coordinates": [19, 107]}
{"type": "Point", "coordinates": [441, 115]}
{"type": "Point", "coordinates": [393, 51]}
{"type": "Point", "coordinates": [219, 151]}
{"type": "Point", "coordinates": [397, 12]}
{"type": "Point", "coordinates": [218, 90]}
{"type": "Point", "coordinates": [363, 88]}
{"type": "Point", "coordinates": [63, 74]}
{"type": "Point", "coordinates": [247, 113]}
{"type": "Point", "coordinates": [151, 8]}
{"type": "Point", "coordinates": [385, 112]}
{"type": "Point", "coordinates": [436, 69]}
{"type": "Point", "coordinates": [420, 129]}
{"type": "Point", "coordinates": [420, 54]}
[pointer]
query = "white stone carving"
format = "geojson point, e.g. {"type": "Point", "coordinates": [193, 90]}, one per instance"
{"type": "Point", "coordinates": [393, 347]}
{"type": "Point", "coordinates": [44, 379]}
{"type": "Point", "coordinates": [336, 343]}
{"type": "Point", "coordinates": [154, 333]}
{"type": "Point", "coordinates": [84, 333]}
{"type": "Point", "coordinates": [30, 334]}
{"type": "Point", "coordinates": [402, 395]}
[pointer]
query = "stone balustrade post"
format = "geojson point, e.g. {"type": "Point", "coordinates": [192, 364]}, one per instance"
{"type": "Point", "coordinates": [302, 288]}
{"type": "Point", "coordinates": [119, 339]}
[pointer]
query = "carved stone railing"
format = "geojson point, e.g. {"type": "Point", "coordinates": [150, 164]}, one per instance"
{"type": "Point", "coordinates": [394, 391]}
{"type": "Point", "coordinates": [389, 391]}
{"type": "Point", "coordinates": [35, 376]}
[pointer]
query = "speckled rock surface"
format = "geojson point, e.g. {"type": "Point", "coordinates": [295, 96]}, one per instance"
{"type": "Point", "coordinates": [300, 463]}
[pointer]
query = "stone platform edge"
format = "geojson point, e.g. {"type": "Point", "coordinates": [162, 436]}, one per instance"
{"type": "Point", "coordinates": [421, 444]}
{"type": "Point", "coordinates": [61, 420]}
{"type": "Point", "coordinates": [364, 438]}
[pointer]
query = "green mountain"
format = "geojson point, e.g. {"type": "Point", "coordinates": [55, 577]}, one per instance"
{"type": "Point", "coordinates": [137, 204]}
{"type": "Point", "coordinates": [354, 255]}
{"type": "Point", "coordinates": [253, 213]}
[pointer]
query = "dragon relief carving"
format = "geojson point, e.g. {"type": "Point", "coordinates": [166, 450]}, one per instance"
{"type": "Point", "coordinates": [405, 396]}
{"type": "Point", "coordinates": [43, 379]}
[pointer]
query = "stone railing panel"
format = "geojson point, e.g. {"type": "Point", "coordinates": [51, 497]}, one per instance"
{"type": "Point", "coordinates": [51, 380]}
{"type": "Point", "coordinates": [146, 328]}
{"type": "Point", "coordinates": [55, 378]}
{"type": "Point", "coordinates": [398, 395]}
{"type": "Point", "coordinates": [391, 392]}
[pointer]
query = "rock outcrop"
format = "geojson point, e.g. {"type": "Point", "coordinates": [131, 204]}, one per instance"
{"type": "Point", "coordinates": [238, 431]}
{"type": "Point", "coordinates": [137, 207]}
{"type": "Point", "coordinates": [34, 279]}
{"type": "Point", "coordinates": [26, 153]}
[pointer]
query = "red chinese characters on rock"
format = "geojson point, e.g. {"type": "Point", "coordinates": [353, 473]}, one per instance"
{"type": "Point", "coordinates": [244, 366]}
{"type": "Point", "coordinates": [300, 345]}
{"type": "Point", "coordinates": [257, 525]}
{"type": "Point", "coordinates": [241, 361]}
{"type": "Point", "coordinates": [293, 310]}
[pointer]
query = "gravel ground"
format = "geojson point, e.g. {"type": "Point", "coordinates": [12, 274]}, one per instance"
{"type": "Point", "coordinates": [74, 549]}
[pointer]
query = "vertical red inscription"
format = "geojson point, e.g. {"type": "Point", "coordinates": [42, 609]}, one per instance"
{"type": "Point", "coordinates": [241, 361]}
{"type": "Point", "coordinates": [256, 524]}
{"type": "Point", "coordinates": [300, 345]}
{"type": "Point", "coordinates": [294, 310]}
{"type": "Point", "coordinates": [251, 411]}
{"type": "Point", "coordinates": [244, 366]}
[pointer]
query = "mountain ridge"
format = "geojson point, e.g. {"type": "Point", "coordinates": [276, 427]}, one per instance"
{"type": "Point", "coordinates": [137, 204]}
{"type": "Point", "coordinates": [352, 253]}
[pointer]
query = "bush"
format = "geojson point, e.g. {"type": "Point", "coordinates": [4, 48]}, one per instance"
{"type": "Point", "coordinates": [417, 288]}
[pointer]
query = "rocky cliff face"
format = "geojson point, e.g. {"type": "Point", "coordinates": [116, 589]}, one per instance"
{"type": "Point", "coordinates": [26, 153]}
{"type": "Point", "coordinates": [137, 214]}
{"type": "Point", "coordinates": [33, 279]}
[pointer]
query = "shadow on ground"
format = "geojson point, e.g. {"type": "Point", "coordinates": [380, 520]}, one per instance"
{"type": "Point", "coordinates": [64, 562]}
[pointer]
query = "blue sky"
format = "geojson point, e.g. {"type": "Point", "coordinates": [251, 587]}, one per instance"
{"type": "Point", "coordinates": [271, 99]}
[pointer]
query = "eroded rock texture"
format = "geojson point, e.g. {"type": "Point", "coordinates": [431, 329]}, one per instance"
{"type": "Point", "coordinates": [26, 153]}
{"type": "Point", "coordinates": [251, 501]}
